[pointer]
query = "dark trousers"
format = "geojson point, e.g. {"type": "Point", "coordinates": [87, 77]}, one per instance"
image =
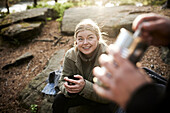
{"type": "Point", "coordinates": [62, 104]}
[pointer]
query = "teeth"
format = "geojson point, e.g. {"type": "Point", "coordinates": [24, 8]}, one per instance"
{"type": "Point", "coordinates": [86, 47]}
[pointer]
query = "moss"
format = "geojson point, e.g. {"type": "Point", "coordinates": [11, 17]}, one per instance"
{"type": "Point", "coordinates": [3, 30]}
{"type": "Point", "coordinates": [25, 24]}
{"type": "Point", "coordinates": [6, 21]}
{"type": "Point", "coordinates": [49, 18]}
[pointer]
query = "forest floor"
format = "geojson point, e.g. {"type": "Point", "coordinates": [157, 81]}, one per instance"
{"type": "Point", "coordinates": [13, 80]}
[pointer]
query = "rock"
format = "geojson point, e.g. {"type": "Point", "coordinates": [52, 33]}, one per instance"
{"type": "Point", "coordinates": [20, 60]}
{"type": "Point", "coordinates": [32, 92]}
{"type": "Point", "coordinates": [23, 31]}
{"type": "Point", "coordinates": [37, 14]}
{"type": "Point", "coordinates": [109, 19]}
{"type": "Point", "coordinates": [23, 26]}
{"type": "Point", "coordinates": [46, 107]}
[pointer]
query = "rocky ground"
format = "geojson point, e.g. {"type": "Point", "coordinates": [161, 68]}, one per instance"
{"type": "Point", "coordinates": [14, 79]}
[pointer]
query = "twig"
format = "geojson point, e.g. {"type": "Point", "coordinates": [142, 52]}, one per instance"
{"type": "Point", "coordinates": [57, 41]}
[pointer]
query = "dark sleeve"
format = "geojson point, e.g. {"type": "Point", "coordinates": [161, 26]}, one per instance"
{"type": "Point", "coordinates": [146, 99]}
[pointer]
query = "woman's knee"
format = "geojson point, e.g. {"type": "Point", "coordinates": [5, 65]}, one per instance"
{"type": "Point", "coordinates": [59, 99]}
{"type": "Point", "coordinates": [59, 104]}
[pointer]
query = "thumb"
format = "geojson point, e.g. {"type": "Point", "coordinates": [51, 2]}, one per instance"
{"type": "Point", "coordinates": [78, 76]}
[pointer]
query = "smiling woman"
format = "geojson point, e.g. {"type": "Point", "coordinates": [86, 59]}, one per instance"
{"type": "Point", "coordinates": [79, 62]}
{"type": "Point", "coordinates": [87, 36]}
{"type": "Point", "coordinates": [87, 42]}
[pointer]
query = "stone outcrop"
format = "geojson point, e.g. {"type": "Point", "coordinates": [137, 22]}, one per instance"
{"type": "Point", "coordinates": [109, 19]}
{"type": "Point", "coordinates": [23, 26]}
{"type": "Point", "coordinates": [20, 60]}
{"type": "Point", "coordinates": [32, 92]}
{"type": "Point", "coordinates": [22, 31]}
{"type": "Point", "coordinates": [38, 14]}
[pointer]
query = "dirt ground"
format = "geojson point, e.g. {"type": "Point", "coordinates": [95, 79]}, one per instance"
{"type": "Point", "coordinates": [14, 79]}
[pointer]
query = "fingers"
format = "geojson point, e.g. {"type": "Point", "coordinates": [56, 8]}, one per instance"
{"type": "Point", "coordinates": [78, 84]}
{"type": "Point", "coordinates": [78, 76]}
{"type": "Point", "coordinates": [71, 88]}
{"type": "Point", "coordinates": [70, 80]}
{"type": "Point", "coordinates": [101, 74]}
{"type": "Point", "coordinates": [114, 51]}
{"type": "Point", "coordinates": [141, 18]}
{"type": "Point", "coordinates": [154, 25]}
{"type": "Point", "coordinates": [107, 61]}
{"type": "Point", "coordinates": [67, 86]}
{"type": "Point", "coordinates": [103, 92]}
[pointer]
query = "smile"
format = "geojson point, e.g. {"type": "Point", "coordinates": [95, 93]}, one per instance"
{"type": "Point", "coordinates": [86, 48]}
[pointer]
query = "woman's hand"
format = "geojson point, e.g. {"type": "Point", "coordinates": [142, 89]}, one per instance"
{"type": "Point", "coordinates": [78, 84]}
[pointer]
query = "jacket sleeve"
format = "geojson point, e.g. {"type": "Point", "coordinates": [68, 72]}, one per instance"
{"type": "Point", "coordinates": [146, 99]}
{"type": "Point", "coordinates": [67, 71]}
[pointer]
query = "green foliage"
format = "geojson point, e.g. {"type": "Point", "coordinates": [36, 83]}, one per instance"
{"type": "Point", "coordinates": [49, 18]}
{"type": "Point", "coordinates": [60, 8]}
{"type": "Point", "coordinates": [13, 1]}
{"type": "Point", "coordinates": [3, 14]}
{"type": "Point", "coordinates": [157, 2]}
{"type": "Point", "coordinates": [34, 108]}
{"type": "Point", "coordinates": [59, 19]}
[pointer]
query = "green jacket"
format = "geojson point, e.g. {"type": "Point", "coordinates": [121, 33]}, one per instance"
{"type": "Point", "coordinates": [73, 66]}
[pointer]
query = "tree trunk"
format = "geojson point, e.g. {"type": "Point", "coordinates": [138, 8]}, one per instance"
{"type": "Point", "coordinates": [35, 3]}
{"type": "Point", "coordinates": [7, 6]}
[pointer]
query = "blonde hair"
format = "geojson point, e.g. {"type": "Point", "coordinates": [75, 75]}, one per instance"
{"type": "Point", "coordinates": [88, 24]}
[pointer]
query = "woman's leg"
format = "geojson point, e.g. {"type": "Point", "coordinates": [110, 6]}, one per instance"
{"type": "Point", "coordinates": [105, 108]}
{"type": "Point", "coordinates": [59, 104]}
{"type": "Point", "coordinates": [62, 104]}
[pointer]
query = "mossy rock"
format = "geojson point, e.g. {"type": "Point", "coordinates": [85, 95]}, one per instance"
{"type": "Point", "coordinates": [21, 31]}
{"type": "Point", "coordinates": [38, 14]}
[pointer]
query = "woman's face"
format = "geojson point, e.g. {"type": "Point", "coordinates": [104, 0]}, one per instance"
{"type": "Point", "coordinates": [87, 42]}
